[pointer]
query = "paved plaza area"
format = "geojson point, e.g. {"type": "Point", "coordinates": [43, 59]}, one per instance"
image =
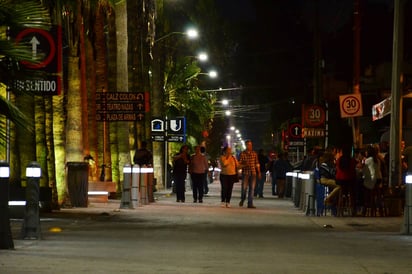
{"type": "Point", "coordinates": [170, 237]}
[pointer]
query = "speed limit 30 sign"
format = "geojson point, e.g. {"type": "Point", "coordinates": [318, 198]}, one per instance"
{"type": "Point", "coordinates": [350, 105]}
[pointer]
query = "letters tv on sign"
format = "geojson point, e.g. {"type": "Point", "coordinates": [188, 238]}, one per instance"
{"type": "Point", "coordinates": [47, 45]}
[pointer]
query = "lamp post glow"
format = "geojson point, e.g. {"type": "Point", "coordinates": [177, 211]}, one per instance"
{"type": "Point", "coordinates": [190, 33]}
{"type": "Point", "coordinates": [213, 74]}
{"type": "Point", "coordinates": [160, 156]}
{"type": "Point", "coordinates": [6, 239]}
{"type": "Point", "coordinates": [202, 56]}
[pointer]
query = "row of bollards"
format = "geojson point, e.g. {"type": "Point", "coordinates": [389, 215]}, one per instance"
{"type": "Point", "coordinates": [31, 223]}
{"type": "Point", "coordinates": [137, 186]}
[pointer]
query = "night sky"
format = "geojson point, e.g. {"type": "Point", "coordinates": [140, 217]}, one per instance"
{"type": "Point", "coordinates": [274, 58]}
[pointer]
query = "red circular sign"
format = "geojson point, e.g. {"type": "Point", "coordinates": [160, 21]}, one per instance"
{"type": "Point", "coordinates": [51, 47]}
{"type": "Point", "coordinates": [351, 105]}
{"type": "Point", "coordinates": [295, 131]}
{"type": "Point", "coordinates": [314, 116]}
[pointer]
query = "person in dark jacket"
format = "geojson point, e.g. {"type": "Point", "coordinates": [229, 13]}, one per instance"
{"type": "Point", "coordinates": [263, 161]}
{"type": "Point", "coordinates": [180, 164]}
{"type": "Point", "coordinates": [280, 168]}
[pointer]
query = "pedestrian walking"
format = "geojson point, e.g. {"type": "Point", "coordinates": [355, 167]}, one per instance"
{"type": "Point", "coordinates": [249, 163]}
{"type": "Point", "coordinates": [280, 168]}
{"type": "Point", "coordinates": [260, 183]}
{"type": "Point", "coordinates": [198, 168]}
{"type": "Point", "coordinates": [228, 175]}
{"type": "Point", "coordinates": [180, 164]}
{"type": "Point", "coordinates": [143, 156]}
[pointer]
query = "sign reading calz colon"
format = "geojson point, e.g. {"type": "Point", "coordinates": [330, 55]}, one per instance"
{"type": "Point", "coordinates": [120, 106]}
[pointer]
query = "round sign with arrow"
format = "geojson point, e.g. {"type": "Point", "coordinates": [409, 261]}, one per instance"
{"type": "Point", "coordinates": [41, 42]}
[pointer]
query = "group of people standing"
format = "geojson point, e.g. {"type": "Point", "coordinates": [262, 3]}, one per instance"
{"type": "Point", "coordinates": [249, 168]}
{"type": "Point", "coordinates": [197, 166]}
{"type": "Point", "coordinates": [362, 174]}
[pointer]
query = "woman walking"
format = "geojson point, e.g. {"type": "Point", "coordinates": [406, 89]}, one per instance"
{"type": "Point", "coordinates": [228, 175]}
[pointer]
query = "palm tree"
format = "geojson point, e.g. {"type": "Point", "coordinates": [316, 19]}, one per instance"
{"type": "Point", "coordinates": [14, 17]}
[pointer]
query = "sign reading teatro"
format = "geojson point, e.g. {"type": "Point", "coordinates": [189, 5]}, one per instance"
{"type": "Point", "coordinates": [120, 106]}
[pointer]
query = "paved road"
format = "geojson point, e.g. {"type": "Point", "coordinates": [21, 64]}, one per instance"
{"type": "Point", "coordinates": [170, 237]}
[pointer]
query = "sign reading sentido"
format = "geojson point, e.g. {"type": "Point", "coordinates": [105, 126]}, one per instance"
{"type": "Point", "coordinates": [120, 106]}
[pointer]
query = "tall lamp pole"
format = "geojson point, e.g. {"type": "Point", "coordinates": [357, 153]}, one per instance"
{"type": "Point", "coordinates": [396, 111]}
{"type": "Point", "coordinates": [160, 154]}
{"type": "Point", "coordinates": [356, 69]}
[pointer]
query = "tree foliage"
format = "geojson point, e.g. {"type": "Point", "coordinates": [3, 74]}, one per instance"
{"type": "Point", "coordinates": [14, 16]}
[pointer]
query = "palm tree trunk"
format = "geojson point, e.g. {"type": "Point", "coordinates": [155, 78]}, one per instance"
{"type": "Point", "coordinates": [26, 143]}
{"type": "Point", "coordinates": [59, 116]}
{"type": "Point", "coordinates": [112, 82]}
{"type": "Point", "coordinates": [93, 125]}
{"type": "Point", "coordinates": [101, 80]}
{"type": "Point", "coordinates": [41, 148]}
{"type": "Point", "coordinates": [123, 144]}
{"type": "Point", "coordinates": [51, 168]}
{"type": "Point", "coordinates": [74, 136]}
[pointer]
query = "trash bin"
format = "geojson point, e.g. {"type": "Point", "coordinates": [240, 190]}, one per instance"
{"type": "Point", "coordinates": [77, 183]}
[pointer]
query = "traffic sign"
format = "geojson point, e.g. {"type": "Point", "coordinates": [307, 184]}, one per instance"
{"type": "Point", "coordinates": [175, 138]}
{"type": "Point", "coordinates": [158, 125]}
{"type": "Point", "coordinates": [177, 126]}
{"type": "Point", "coordinates": [313, 132]}
{"type": "Point", "coordinates": [46, 45]}
{"type": "Point", "coordinates": [158, 138]}
{"type": "Point", "coordinates": [313, 116]}
{"type": "Point", "coordinates": [120, 106]}
{"type": "Point", "coordinates": [295, 131]}
{"type": "Point", "coordinates": [350, 105]}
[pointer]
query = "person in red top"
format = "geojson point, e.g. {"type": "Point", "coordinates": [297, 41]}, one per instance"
{"type": "Point", "coordinates": [346, 172]}
{"type": "Point", "coordinates": [345, 167]}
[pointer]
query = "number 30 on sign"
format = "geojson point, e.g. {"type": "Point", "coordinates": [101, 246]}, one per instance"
{"type": "Point", "coordinates": [350, 105]}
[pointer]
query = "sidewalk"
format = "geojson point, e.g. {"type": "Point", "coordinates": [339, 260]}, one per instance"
{"type": "Point", "coordinates": [170, 237]}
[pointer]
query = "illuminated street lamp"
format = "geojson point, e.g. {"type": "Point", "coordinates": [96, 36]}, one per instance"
{"type": "Point", "coordinates": [160, 153]}
{"type": "Point", "coordinates": [212, 74]}
{"type": "Point", "coordinates": [190, 33]}
{"type": "Point", "coordinates": [202, 56]}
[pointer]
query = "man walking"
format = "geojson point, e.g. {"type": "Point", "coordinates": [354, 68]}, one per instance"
{"type": "Point", "coordinates": [197, 169]}
{"type": "Point", "coordinates": [250, 170]}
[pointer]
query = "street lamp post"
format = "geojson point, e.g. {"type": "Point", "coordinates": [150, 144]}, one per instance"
{"type": "Point", "coordinates": [191, 33]}
{"type": "Point", "coordinates": [160, 157]}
